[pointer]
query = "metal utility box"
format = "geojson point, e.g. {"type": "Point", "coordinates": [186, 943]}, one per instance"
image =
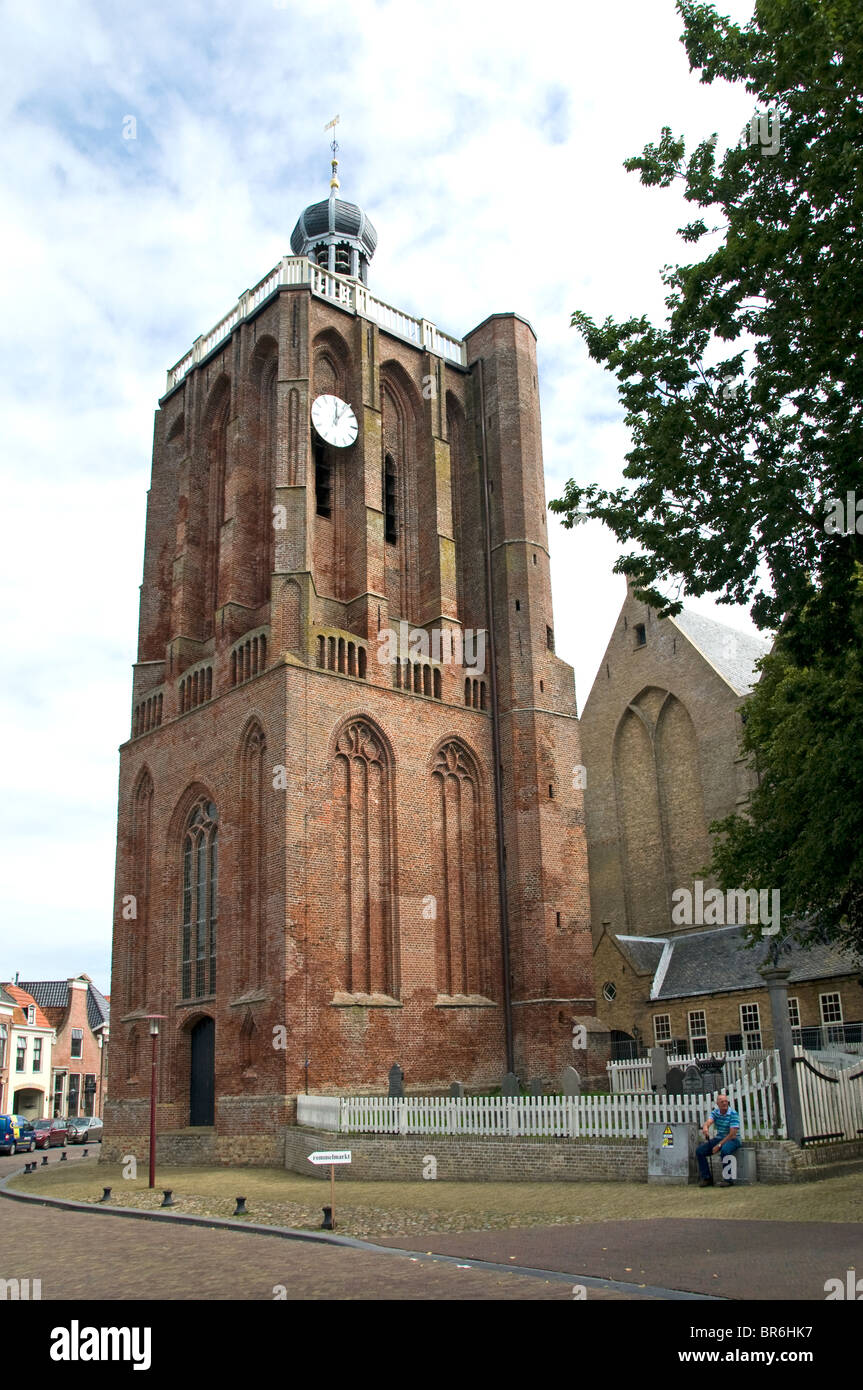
{"type": "Point", "coordinates": [671, 1151]}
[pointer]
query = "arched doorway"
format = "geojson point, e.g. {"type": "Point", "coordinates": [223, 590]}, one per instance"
{"type": "Point", "coordinates": [202, 1068]}
{"type": "Point", "coordinates": [30, 1103]}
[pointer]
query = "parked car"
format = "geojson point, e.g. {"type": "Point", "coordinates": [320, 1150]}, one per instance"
{"type": "Point", "coordinates": [16, 1135]}
{"type": "Point", "coordinates": [85, 1129]}
{"type": "Point", "coordinates": [51, 1134]}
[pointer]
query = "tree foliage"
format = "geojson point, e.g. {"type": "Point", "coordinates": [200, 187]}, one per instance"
{"type": "Point", "coordinates": [746, 405]}
{"type": "Point", "coordinates": [746, 414]}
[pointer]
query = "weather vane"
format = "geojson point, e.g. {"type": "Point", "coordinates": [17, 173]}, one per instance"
{"type": "Point", "coordinates": [331, 125]}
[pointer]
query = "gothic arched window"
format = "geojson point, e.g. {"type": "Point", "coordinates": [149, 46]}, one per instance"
{"type": "Point", "coordinates": [137, 927]}
{"type": "Point", "coordinates": [253, 854]}
{"type": "Point", "coordinates": [365, 858]}
{"type": "Point", "coordinates": [200, 901]}
{"type": "Point", "coordinates": [391, 531]}
{"type": "Point", "coordinates": [458, 835]}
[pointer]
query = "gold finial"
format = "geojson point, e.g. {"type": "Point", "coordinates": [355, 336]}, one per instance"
{"type": "Point", "coordinates": [334, 181]}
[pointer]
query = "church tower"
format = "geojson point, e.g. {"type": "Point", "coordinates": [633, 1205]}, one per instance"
{"type": "Point", "coordinates": [351, 826]}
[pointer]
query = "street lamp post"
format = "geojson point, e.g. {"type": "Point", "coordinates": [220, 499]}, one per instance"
{"type": "Point", "coordinates": [154, 1034]}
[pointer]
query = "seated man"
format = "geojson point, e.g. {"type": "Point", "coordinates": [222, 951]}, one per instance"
{"type": "Point", "coordinates": [726, 1122]}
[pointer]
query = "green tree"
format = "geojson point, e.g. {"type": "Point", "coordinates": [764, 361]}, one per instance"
{"type": "Point", "coordinates": [746, 405]}
{"type": "Point", "coordinates": [803, 833]}
{"type": "Point", "coordinates": [746, 413]}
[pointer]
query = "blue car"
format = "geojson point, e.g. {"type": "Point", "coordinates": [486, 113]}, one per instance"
{"type": "Point", "coordinates": [16, 1135]}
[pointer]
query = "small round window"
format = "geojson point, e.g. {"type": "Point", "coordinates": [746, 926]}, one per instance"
{"type": "Point", "coordinates": [609, 990]}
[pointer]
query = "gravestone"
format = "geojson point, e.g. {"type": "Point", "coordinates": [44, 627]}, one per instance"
{"type": "Point", "coordinates": [570, 1082]}
{"type": "Point", "coordinates": [693, 1081]}
{"type": "Point", "coordinates": [658, 1067]}
{"type": "Point", "coordinates": [674, 1081]}
{"type": "Point", "coordinates": [712, 1074]}
{"type": "Point", "coordinates": [397, 1082]}
{"type": "Point", "coordinates": [509, 1085]}
{"type": "Point", "coordinates": [456, 1090]}
{"type": "Point", "coordinates": [535, 1086]}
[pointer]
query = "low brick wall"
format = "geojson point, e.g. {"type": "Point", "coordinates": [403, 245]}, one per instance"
{"type": "Point", "coordinates": [780, 1160]}
{"type": "Point", "coordinates": [389, 1158]}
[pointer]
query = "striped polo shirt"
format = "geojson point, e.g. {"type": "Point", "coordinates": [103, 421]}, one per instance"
{"type": "Point", "coordinates": [723, 1123]}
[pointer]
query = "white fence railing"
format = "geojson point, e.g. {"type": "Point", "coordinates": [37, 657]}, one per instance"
{"type": "Point", "coordinates": [633, 1074]}
{"type": "Point", "coordinates": [348, 294]}
{"type": "Point", "coordinates": [831, 1099]}
{"type": "Point", "coordinates": [757, 1096]}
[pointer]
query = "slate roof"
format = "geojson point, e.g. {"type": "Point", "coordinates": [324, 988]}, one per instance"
{"type": "Point", "coordinates": [733, 654]}
{"type": "Point", "coordinates": [54, 994]}
{"type": "Point", "coordinates": [713, 960]}
{"type": "Point", "coordinates": [645, 952]}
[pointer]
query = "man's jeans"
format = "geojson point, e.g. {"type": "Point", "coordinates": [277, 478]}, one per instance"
{"type": "Point", "coordinates": [729, 1146]}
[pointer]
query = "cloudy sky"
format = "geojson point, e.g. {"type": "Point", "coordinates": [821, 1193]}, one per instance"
{"type": "Point", "coordinates": [485, 140]}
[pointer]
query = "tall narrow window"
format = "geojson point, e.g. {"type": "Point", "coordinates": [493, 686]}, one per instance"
{"type": "Point", "coordinates": [323, 481]}
{"type": "Point", "coordinates": [200, 901]}
{"type": "Point", "coordinates": [253, 849]}
{"type": "Point", "coordinates": [391, 533]}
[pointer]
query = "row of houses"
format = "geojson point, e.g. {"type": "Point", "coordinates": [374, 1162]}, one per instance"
{"type": "Point", "coordinates": [53, 1047]}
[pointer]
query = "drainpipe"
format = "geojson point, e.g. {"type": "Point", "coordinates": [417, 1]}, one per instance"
{"type": "Point", "coordinates": [503, 898]}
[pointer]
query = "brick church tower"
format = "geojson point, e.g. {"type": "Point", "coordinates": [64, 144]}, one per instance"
{"type": "Point", "coordinates": [350, 832]}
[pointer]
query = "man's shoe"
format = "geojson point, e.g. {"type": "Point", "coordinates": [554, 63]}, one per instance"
{"type": "Point", "coordinates": [727, 1182]}
{"type": "Point", "coordinates": [706, 1182]}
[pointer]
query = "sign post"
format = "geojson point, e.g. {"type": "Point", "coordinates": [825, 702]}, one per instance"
{"type": "Point", "coordinates": [332, 1157]}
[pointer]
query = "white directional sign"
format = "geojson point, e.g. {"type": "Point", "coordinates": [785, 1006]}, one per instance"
{"type": "Point", "coordinates": [331, 1156]}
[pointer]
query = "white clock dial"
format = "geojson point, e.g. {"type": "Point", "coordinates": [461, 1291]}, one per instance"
{"type": "Point", "coordinates": [334, 421]}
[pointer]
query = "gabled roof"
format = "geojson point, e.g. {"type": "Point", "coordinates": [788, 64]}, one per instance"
{"type": "Point", "coordinates": [732, 654]}
{"type": "Point", "coordinates": [54, 994]}
{"type": "Point", "coordinates": [24, 999]}
{"type": "Point", "coordinates": [714, 960]}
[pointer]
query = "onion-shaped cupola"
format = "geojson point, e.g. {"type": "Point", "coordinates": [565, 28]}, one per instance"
{"type": "Point", "coordinates": [336, 235]}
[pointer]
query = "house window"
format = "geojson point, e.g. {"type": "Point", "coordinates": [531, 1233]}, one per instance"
{"type": "Point", "coordinates": [323, 481]}
{"type": "Point", "coordinates": [831, 1017]}
{"type": "Point", "coordinates": [59, 1078]}
{"type": "Point", "coordinates": [77, 1042]}
{"type": "Point", "coordinates": [200, 902]}
{"type": "Point", "coordinates": [89, 1092]}
{"type": "Point", "coordinates": [74, 1092]}
{"type": "Point", "coordinates": [21, 1054]}
{"type": "Point", "coordinates": [698, 1030]}
{"type": "Point", "coordinates": [37, 1054]}
{"type": "Point", "coordinates": [794, 1012]}
{"type": "Point", "coordinates": [391, 533]}
{"type": "Point", "coordinates": [31, 1015]}
{"type": "Point", "coordinates": [662, 1028]}
{"type": "Point", "coordinates": [640, 635]}
{"type": "Point", "coordinates": [750, 1024]}
{"type": "Point", "coordinates": [733, 1042]}
{"type": "Point", "coordinates": [4, 1038]}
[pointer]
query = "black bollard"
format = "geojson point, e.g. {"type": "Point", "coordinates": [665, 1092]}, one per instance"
{"type": "Point", "coordinates": [241, 1207]}
{"type": "Point", "coordinates": [167, 1199]}
{"type": "Point", "coordinates": [327, 1224]}
{"type": "Point", "coordinates": [106, 1195]}
{"type": "Point", "coordinates": [84, 1154]}
{"type": "Point", "coordinates": [63, 1156]}
{"type": "Point", "coordinates": [44, 1160]}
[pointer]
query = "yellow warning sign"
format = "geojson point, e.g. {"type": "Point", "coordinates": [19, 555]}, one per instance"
{"type": "Point", "coordinates": [667, 1130]}
{"type": "Point", "coordinates": [667, 1138]}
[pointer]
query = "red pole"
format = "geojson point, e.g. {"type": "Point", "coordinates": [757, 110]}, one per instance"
{"type": "Point", "coordinates": [153, 1115]}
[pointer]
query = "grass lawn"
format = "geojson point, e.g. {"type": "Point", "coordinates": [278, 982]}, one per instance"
{"type": "Point", "coordinates": [277, 1197]}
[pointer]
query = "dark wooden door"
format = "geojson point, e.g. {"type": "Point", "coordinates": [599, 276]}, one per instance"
{"type": "Point", "coordinates": [202, 1088]}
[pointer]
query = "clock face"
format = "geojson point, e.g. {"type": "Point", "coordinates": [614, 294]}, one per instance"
{"type": "Point", "coordinates": [334, 421]}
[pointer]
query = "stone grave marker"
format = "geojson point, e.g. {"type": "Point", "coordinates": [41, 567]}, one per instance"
{"type": "Point", "coordinates": [658, 1067]}
{"type": "Point", "coordinates": [509, 1085]}
{"type": "Point", "coordinates": [570, 1082]}
{"type": "Point", "coordinates": [674, 1081]}
{"type": "Point", "coordinates": [693, 1081]}
{"type": "Point", "coordinates": [397, 1082]}
{"type": "Point", "coordinates": [456, 1090]}
{"type": "Point", "coordinates": [535, 1086]}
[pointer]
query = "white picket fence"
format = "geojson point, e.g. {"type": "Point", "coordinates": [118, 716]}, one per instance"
{"type": "Point", "coordinates": [758, 1098]}
{"type": "Point", "coordinates": [831, 1099]}
{"type": "Point", "coordinates": [634, 1074]}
